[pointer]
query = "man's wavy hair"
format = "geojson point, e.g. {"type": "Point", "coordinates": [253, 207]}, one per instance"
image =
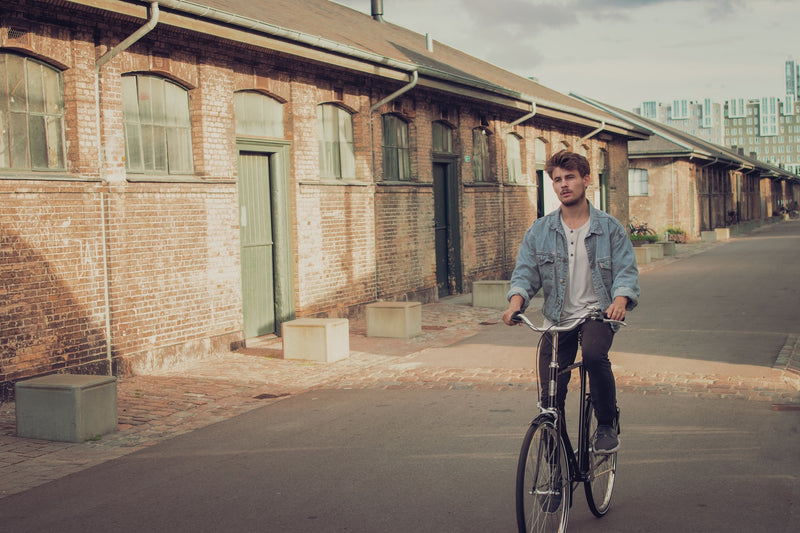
{"type": "Point", "coordinates": [568, 161]}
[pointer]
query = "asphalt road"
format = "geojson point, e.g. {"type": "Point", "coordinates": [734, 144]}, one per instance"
{"type": "Point", "coordinates": [423, 461]}
{"type": "Point", "coordinates": [734, 303]}
{"type": "Point", "coordinates": [417, 460]}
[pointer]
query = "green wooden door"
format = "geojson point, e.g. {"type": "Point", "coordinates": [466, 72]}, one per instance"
{"type": "Point", "coordinates": [446, 230]}
{"type": "Point", "coordinates": [255, 220]}
{"type": "Point", "coordinates": [441, 228]}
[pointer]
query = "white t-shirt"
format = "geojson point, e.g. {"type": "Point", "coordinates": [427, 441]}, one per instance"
{"type": "Point", "coordinates": [579, 294]}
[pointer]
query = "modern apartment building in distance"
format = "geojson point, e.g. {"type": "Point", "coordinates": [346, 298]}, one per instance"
{"type": "Point", "coordinates": [703, 119]}
{"type": "Point", "coordinates": [766, 128]}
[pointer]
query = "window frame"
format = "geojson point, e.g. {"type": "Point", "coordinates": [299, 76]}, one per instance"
{"type": "Point", "coordinates": [44, 123]}
{"type": "Point", "coordinates": [267, 111]}
{"type": "Point", "coordinates": [481, 155]}
{"type": "Point", "coordinates": [171, 162]}
{"type": "Point", "coordinates": [636, 185]}
{"type": "Point", "coordinates": [514, 157]}
{"type": "Point", "coordinates": [396, 148]}
{"type": "Point", "coordinates": [442, 137]}
{"type": "Point", "coordinates": [337, 159]}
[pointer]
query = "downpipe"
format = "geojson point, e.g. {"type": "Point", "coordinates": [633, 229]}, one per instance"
{"type": "Point", "coordinates": [105, 58]}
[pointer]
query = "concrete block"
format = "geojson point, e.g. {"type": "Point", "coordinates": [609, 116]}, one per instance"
{"type": "Point", "coordinates": [490, 293]}
{"type": "Point", "coordinates": [708, 236]}
{"type": "Point", "coordinates": [66, 407]}
{"type": "Point", "coordinates": [316, 339]}
{"type": "Point", "coordinates": [656, 251]}
{"type": "Point", "coordinates": [668, 248]}
{"type": "Point", "coordinates": [642, 255]}
{"type": "Point", "coordinates": [723, 234]}
{"type": "Point", "coordinates": [400, 320]}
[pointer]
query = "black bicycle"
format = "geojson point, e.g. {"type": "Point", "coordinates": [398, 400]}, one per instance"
{"type": "Point", "coordinates": [549, 469]}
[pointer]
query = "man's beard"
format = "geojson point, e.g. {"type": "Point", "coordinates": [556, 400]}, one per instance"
{"type": "Point", "coordinates": [573, 200]}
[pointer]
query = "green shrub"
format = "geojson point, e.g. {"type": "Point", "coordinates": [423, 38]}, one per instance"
{"type": "Point", "coordinates": [647, 238]}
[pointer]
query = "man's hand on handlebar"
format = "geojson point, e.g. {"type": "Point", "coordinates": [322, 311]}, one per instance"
{"type": "Point", "coordinates": [617, 309]}
{"type": "Point", "coordinates": [514, 306]}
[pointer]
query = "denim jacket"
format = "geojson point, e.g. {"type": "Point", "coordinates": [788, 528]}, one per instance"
{"type": "Point", "coordinates": [543, 263]}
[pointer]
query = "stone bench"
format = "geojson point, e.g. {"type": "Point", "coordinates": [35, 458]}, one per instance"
{"type": "Point", "coordinates": [490, 293]}
{"type": "Point", "coordinates": [708, 236]}
{"type": "Point", "coordinates": [400, 320]}
{"type": "Point", "coordinates": [66, 407]}
{"type": "Point", "coordinates": [723, 234]}
{"type": "Point", "coordinates": [316, 339]}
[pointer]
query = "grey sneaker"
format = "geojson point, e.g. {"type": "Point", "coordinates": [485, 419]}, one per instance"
{"type": "Point", "coordinates": [606, 441]}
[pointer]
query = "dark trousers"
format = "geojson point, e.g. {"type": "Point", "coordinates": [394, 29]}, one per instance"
{"type": "Point", "coordinates": [595, 338]}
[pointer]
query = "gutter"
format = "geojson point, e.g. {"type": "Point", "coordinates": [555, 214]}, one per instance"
{"type": "Point", "coordinates": [593, 133]}
{"type": "Point", "coordinates": [105, 58]}
{"type": "Point", "coordinates": [709, 164]}
{"type": "Point", "coordinates": [523, 118]}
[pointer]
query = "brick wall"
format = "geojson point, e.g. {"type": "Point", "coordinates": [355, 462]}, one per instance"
{"type": "Point", "coordinates": [52, 312]}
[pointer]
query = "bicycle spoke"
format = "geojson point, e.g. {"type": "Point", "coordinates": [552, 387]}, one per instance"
{"type": "Point", "coordinates": [543, 484]}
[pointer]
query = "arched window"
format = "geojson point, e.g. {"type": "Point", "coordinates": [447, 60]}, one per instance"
{"type": "Point", "coordinates": [396, 149]}
{"type": "Point", "coordinates": [480, 154]}
{"type": "Point", "coordinates": [513, 158]}
{"type": "Point", "coordinates": [31, 114]}
{"type": "Point", "coordinates": [336, 146]}
{"type": "Point", "coordinates": [258, 115]}
{"type": "Point", "coordinates": [442, 137]}
{"type": "Point", "coordinates": [158, 137]}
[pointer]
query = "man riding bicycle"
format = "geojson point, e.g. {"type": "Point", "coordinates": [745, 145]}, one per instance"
{"type": "Point", "coordinates": [580, 257]}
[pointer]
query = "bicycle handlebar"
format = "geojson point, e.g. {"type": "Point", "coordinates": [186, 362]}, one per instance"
{"type": "Point", "coordinates": [594, 314]}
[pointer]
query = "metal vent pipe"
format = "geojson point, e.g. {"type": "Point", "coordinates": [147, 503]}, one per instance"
{"type": "Point", "coordinates": [377, 10]}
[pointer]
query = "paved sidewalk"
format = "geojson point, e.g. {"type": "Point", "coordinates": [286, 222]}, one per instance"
{"type": "Point", "coordinates": [162, 405]}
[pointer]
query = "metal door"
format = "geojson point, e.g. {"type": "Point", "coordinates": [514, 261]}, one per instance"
{"type": "Point", "coordinates": [255, 221]}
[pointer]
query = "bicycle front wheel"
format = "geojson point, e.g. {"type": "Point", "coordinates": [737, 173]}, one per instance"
{"type": "Point", "coordinates": [543, 486]}
{"type": "Point", "coordinates": [602, 472]}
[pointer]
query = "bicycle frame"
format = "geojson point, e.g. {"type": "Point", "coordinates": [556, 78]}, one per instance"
{"type": "Point", "coordinates": [579, 471]}
{"type": "Point", "coordinates": [578, 462]}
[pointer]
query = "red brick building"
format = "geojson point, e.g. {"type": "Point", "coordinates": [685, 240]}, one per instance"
{"type": "Point", "coordinates": [177, 177]}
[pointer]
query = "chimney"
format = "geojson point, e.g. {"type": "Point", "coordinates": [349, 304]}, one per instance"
{"type": "Point", "coordinates": [377, 10]}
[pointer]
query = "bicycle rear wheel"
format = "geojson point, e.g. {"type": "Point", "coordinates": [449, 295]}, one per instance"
{"type": "Point", "coordinates": [602, 471]}
{"type": "Point", "coordinates": [543, 486]}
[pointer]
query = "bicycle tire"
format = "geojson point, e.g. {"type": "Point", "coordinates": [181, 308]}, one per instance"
{"type": "Point", "coordinates": [602, 473]}
{"type": "Point", "coordinates": [543, 488]}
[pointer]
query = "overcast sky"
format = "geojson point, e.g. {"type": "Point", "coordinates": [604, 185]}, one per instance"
{"type": "Point", "coordinates": [619, 51]}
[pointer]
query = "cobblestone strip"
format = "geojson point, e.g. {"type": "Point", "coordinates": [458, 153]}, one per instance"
{"type": "Point", "coordinates": [789, 357]}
